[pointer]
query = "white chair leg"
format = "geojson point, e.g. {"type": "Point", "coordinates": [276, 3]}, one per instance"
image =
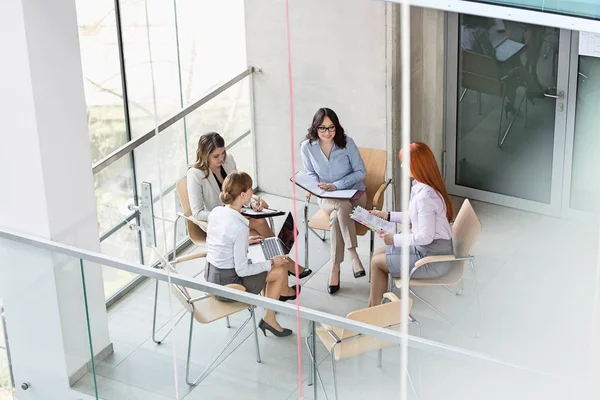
{"type": "Point", "coordinates": [227, 323]}
{"type": "Point", "coordinates": [255, 329]}
{"type": "Point", "coordinates": [478, 330]}
{"type": "Point", "coordinates": [458, 292]}
{"type": "Point", "coordinates": [432, 307]}
{"type": "Point", "coordinates": [380, 358]}
{"type": "Point", "coordinates": [335, 386]}
{"type": "Point", "coordinates": [154, 339]}
{"type": "Point", "coordinates": [311, 344]}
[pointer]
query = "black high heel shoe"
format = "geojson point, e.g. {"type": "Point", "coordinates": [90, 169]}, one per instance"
{"type": "Point", "coordinates": [293, 297]}
{"type": "Point", "coordinates": [334, 288]}
{"type": "Point", "coordinates": [359, 274]}
{"type": "Point", "coordinates": [264, 327]}
{"type": "Point", "coordinates": [303, 275]}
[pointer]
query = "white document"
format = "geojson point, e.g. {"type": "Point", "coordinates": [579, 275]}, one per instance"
{"type": "Point", "coordinates": [265, 211]}
{"type": "Point", "coordinates": [372, 222]}
{"type": "Point", "coordinates": [308, 183]}
{"type": "Point", "coordinates": [589, 44]}
{"type": "Point", "coordinates": [507, 49]}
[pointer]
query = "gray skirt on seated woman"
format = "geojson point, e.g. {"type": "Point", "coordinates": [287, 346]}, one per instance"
{"type": "Point", "coordinates": [253, 283]}
{"type": "Point", "coordinates": [393, 256]}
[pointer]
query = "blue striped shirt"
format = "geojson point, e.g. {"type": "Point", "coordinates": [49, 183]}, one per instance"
{"type": "Point", "coordinates": [344, 167]}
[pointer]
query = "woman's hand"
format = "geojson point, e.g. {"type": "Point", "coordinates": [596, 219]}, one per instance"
{"type": "Point", "coordinates": [380, 214]}
{"type": "Point", "coordinates": [388, 238]}
{"type": "Point", "coordinates": [259, 204]}
{"type": "Point", "coordinates": [255, 239]}
{"type": "Point", "coordinates": [280, 261]}
{"type": "Point", "coordinates": [329, 187]}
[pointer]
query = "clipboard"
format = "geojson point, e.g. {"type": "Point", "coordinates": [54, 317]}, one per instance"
{"type": "Point", "coordinates": [266, 213]}
{"type": "Point", "coordinates": [307, 183]}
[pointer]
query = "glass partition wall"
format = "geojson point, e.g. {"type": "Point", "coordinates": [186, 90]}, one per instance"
{"type": "Point", "coordinates": [118, 88]}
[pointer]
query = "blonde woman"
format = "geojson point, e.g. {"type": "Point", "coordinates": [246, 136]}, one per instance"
{"type": "Point", "coordinates": [205, 180]}
{"type": "Point", "coordinates": [227, 252]}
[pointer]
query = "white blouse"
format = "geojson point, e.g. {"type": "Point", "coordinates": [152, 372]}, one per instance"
{"type": "Point", "coordinates": [427, 215]}
{"type": "Point", "coordinates": [227, 242]}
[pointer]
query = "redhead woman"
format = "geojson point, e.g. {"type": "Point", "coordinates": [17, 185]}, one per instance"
{"type": "Point", "coordinates": [429, 212]}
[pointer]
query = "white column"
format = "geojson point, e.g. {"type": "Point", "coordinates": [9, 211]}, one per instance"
{"type": "Point", "coordinates": [46, 189]}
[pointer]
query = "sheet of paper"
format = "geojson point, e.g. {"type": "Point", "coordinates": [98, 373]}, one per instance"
{"type": "Point", "coordinates": [589, 44]}
{"type": "Point", "coordinates": [372, 222]}
{"type": "Point", "coordinates": [308, 183]}
{"type": "Point", "coordinates": [507, 49]}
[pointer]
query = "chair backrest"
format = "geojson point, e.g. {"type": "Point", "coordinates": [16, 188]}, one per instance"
{"type": "Point", "coordinates": [384, 315]}
{"type": "Point", "coordinates": [375, 161]}
{"type": "Point", "coordinates": [480, 73]}
{"type": "Point", "coordinates": [465, 230]}
{"type": "Point", "coordinates": [197, 235]}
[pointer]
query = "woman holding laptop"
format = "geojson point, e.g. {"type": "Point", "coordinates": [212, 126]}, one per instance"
{"type": "Point", "coordinates": [429, 212]}
{"type": "Point", "coordinates": [227, 252]}
{"type": "Point", "coordinates": [332, 159]}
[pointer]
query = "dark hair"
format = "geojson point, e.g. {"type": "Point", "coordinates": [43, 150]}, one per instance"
{"type": "Point", "coordinates": [235, 184]}
{"type": "Point", "coordinates": [206, 145]}
{"type": "Point", "coordinates": [340, 137]}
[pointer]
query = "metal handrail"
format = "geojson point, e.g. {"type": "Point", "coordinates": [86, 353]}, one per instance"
{"type": "Point", "coordinates": [135, 143]}
{"type": "Point", "coordinates": [252, 299]}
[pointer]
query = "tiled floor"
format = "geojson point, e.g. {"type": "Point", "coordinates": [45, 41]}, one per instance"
{"type": "Point", "coordinates": [538, 290]}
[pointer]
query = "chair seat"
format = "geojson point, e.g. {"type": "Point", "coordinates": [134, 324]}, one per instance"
{"type": "Point", "coordinates": [350, 348]}
{"type": "Point", "coordinates": [451, 278]}
{"type": "Point", "coordinates": [211, 309]}
{"type": "Point", "coordinates": [320, 221]}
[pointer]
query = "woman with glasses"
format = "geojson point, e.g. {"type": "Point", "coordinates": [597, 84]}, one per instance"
{"type": "Point", "coordinates": [332, 159]}
{"type": "Point", "coordinates": [429, 213]}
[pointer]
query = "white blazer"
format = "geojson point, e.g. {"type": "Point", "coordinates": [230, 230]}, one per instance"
{"type": "Point", "coordinates": [203, 190]}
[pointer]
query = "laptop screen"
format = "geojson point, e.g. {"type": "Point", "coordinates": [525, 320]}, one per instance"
{"type": "Point", "coordinates": [286, 234]}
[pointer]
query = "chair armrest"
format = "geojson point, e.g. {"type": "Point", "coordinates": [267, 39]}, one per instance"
{"type": "Point", "coordinates": [390, 296]}
{"type": "Point", "coordinates": [380, 192]}
{"type": "Point", "coordinates": [434, 259]}
{"type": "Point", "coordinates": [189, 257]}
{"type": "Point", "coordinates": [194, 220]}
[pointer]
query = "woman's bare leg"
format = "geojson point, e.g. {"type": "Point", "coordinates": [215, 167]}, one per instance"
{"type": "Point", "coordinates": [379, 279]}
{"type": "Point", "coordinates": [275, 286]}
{"type": "Point", "coordinates": [261, 226]}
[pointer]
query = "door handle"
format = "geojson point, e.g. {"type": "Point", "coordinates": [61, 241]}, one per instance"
{"type": "Point", "coordinates": [560, 95]}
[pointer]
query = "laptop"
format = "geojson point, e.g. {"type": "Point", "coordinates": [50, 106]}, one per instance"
{"type": "Point", "coordinates": [280, 245]}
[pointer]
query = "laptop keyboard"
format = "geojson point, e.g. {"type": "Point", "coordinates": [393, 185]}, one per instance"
{"type": "Point", "coordinates": [270, 248]}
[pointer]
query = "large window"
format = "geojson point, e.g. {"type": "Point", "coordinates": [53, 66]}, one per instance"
{"type": "Point", "coordinates": [194, 48]}
{"type": "Point", "coordinates": [579, 8]}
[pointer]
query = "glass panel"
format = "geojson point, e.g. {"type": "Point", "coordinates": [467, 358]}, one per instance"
{"type": "Point", "coordinates": [101, 76]}
{"type": "Point", "coordinates": [585, 186]}
{"type": "Point", "coordinates": [505, 136]}
{"type": "Point", "coordinates": [137, 62]}
{"type": "Point", "coordinates": [212, 44]}
{"type": "Point", "coordinates": [228, 114]}
{"type": "Point", "coordinates": [243, 152]}
{"type": "Point", "coordinates": [580, 8]}
{"type": "Point", "coordinates": [123, 245]}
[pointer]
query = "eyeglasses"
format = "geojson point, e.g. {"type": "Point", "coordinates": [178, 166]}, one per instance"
{"type": "Point", "coordinates": [330, 128]}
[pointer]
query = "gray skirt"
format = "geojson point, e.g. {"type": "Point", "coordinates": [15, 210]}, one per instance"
{"type": "Point", "coordinates": [393, 257]}
{"type": "Point", "coordinates": [253, 283]}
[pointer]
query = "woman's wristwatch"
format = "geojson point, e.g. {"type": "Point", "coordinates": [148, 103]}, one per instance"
{"type": "Point", "coordinates": [388, 216]}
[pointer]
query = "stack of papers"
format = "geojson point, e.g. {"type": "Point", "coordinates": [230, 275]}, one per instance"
{"type": "Point", "coordinates": [372, 222]}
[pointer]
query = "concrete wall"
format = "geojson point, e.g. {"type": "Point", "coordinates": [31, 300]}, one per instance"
{"type": "Point", "coordinates": [339, 58]}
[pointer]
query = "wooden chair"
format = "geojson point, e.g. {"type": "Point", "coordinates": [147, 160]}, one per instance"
{"type": "Point", "coordinates": [205, 308]}
{"type": "Point", "coordinates": [483, 74]}
{"type": "Point", "coordinates": [197, 236]}
{"type": "Point", "coordinates": [465, 231]}
{"type": "Point", "coordinates": [343, 344]}
{"type": "Point", "coordinates": [375, 161]}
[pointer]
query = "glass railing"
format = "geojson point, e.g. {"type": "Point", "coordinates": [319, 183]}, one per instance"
{"type": "Point", "coordinates": [162, 161]}
{"type": "Point", "coordinates": [207, 348]}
